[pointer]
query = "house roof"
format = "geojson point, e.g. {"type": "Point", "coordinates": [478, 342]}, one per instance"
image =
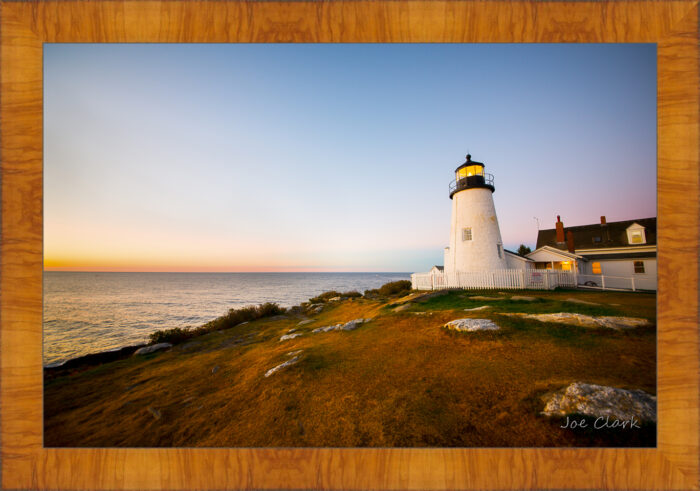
{"type": "Point", "coordinates": [597, 236]}
{"type": "Point", "coordinates": [518, 256]}
{"type": "Point", "coordinates": [559, 252]}
{"type": "Point", "coordinates": [441, 268]}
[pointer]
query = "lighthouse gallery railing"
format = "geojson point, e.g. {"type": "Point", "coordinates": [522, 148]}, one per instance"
{"type": "Point", "coordinates": [471, 181]}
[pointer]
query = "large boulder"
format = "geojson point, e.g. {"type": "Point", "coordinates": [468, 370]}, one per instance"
{"type": "Point", "coordinates": [600, 401]}
{"type": "Point", "coordinates": [152, 348]}
{"type": "Point", "coordinates": [472, 325]}
{"type": "Point", "coordinates": [609, 322]}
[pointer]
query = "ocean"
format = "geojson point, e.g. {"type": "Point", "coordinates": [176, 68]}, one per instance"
{"type": "Point", "coordinates": [88, 312]}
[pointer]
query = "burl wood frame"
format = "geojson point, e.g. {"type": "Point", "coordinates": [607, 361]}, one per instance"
{"type": "Point", "coordinates": [673, 26]}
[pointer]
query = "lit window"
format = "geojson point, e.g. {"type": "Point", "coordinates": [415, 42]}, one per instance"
{"type": "Point", "coordinates": [636, 234]}
{"type": "Point", "coordinates": [639, 267]}
{"type": "Point", "coordinates": [566, 265]}
{"type": "Point", "coordinates": [596, 268]}
{"type": "Point", "coordinates": [467, 233]}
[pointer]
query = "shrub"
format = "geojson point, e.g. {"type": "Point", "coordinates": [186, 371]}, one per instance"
{"type": "Point", "coordinates": [173, 336]}
{"type": "Point", "coordinates": [389, 289]}
{"type": "Point", "coordinates": [324, 297]}
{"type": "Point", "coordinates": [232, 318]}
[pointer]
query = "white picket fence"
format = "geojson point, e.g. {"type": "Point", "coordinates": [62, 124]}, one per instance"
{"type": "Point", "coordinates": [537, 279]}
{"type": "Point", "coordinates": [607, 282]}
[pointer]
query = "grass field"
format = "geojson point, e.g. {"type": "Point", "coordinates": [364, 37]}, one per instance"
{"type": "Point", "coordinates": [400, 380]}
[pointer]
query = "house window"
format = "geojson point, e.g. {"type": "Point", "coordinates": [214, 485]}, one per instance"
{"type": "Point", "coordinates": [595, 267]}
{"type": "Point", "coordinates": [596, 239]}
{"type": "Point", "coordinates": [636, 234]}
{"type": "Point", "coordinates": [639, 267]}
{"type": "Point", "coordinates": [467, 233]}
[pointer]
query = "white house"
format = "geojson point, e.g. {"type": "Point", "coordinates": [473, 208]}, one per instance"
{"type": "Point", "coordinates": [616, 253]}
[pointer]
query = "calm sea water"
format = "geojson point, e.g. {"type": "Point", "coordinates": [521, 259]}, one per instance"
{"type": "Point", "coordinates": [90, 312]}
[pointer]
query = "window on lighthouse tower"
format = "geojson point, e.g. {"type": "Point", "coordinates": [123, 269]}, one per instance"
{"type": "Point", "coordinates": [467, 233]}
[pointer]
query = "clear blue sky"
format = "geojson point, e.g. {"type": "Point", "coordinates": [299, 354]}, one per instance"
{"type": "Point", "coordinates": [286, 157]}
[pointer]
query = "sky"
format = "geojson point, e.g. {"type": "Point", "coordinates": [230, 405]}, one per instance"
{"type": "Point", "coordinates": [332, 157]}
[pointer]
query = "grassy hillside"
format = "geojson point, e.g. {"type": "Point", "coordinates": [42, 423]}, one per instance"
{"type": "Point", "coordinates": [400, 380]}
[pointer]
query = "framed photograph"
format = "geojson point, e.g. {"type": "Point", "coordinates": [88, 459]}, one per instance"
{"type": "Point", "coordinates": [349, 245]}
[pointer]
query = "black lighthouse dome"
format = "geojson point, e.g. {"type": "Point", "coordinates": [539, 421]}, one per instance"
{"type": "Point", "coordinates": [471, 175]}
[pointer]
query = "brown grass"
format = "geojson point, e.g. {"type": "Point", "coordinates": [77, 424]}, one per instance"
{"type": "Point", "coordinates": [398, 381]}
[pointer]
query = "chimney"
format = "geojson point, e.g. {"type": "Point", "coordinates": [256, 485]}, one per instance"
{"type": "Point", "coordinates": [602, 220]}
{"type": "Point", "coordinates": [570, 241]}
{"type": "Point", "coordinates": [560, 231]}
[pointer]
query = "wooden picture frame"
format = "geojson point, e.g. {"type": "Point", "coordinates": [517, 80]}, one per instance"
{"type": "Point", "coordinates": [25, 26]}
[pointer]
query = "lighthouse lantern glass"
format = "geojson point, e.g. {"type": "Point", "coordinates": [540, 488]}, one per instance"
{"type": "Point", "coordinates": [470, 170]}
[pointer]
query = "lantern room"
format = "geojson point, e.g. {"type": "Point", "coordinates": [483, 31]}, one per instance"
{"type": "Point", "coordinates": [469, 168]}
{"type": "Point", "coordinates": [471, 175]}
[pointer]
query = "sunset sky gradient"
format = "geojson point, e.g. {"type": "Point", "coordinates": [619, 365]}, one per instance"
{"type": "Point", "coordinates": [327, 157]}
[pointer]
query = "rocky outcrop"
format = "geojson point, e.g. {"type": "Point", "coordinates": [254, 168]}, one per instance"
{"type": "Point", "coordinates": [609, 322]}
{"type": "Point", "coordinates": [291, 336]}
{"type": "Point", "coordinates": [152, 348]}
{"type": "Point", "coordinates": [472, 325]}
{"type": "Point", "coordinates": [305, 321]}
{"type": "Point", "coordinates": [600, 401]}
{"type": "Point", "coordinates": [315, 308]}
{"type": "Point", "coordinates": [348, 326]}
{"type": "Point", "coordinates": [483, 307]}
{"type": "Point", "coordinates": [281, 366]}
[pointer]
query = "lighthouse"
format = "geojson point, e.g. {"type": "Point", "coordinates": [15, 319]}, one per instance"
{"type": "Point", "coordinates": [475, 239]}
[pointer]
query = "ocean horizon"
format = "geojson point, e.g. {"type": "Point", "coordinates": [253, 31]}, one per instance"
{"type": "Point", "coordinates": [88, 312]}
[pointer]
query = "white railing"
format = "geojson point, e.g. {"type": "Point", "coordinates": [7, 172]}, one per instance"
{"type": "Point", "coordinates": [607, 282]}
{"type": "Point", "coordinates": [539, 279]}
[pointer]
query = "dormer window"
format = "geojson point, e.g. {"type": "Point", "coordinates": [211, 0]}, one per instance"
{"type": "Point", "coordinates": [636, 235]}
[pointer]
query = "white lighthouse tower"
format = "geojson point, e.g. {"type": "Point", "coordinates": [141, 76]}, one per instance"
{"type": "Point", "coordinates": [475, 239]}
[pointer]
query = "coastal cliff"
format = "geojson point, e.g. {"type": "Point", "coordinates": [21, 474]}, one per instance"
{"type": "Point", "coordinates": [377, 370]}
